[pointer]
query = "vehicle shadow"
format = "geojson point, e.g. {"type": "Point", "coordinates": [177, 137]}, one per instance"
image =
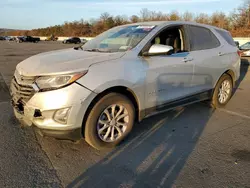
{"type": "Point", "coordinates": [243, 71]}
{"type": "Point", "coordinates": [155, 152]}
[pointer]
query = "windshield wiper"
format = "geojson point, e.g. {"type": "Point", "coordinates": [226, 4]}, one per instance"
{"type": "Point", "coordinates": [98, 50]}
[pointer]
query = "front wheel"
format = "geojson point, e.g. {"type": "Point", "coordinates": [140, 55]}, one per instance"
{"type": "Point", "coordinates": [222, 92]}
{"type": "Point", "coordinates": [110, 121]}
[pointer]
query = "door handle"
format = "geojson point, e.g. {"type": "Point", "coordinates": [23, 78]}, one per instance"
{"type": "Point", "coordinates": [187, 59]}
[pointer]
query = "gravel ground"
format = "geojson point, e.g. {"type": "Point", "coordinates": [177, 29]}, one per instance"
{"type": "Point", "coordinates": [193, 146]}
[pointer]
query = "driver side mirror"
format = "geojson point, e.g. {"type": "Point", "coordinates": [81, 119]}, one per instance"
{"type": "Point", "coordinates": [158, 49]}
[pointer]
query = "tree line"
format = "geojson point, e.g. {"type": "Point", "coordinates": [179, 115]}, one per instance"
{"type": "Point", "coordinates": [237, 22]}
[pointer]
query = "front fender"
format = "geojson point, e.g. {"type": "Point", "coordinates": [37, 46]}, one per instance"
{"type": "Point", "coordinates": [106, 75]}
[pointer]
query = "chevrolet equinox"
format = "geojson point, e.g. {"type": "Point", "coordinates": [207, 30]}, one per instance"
{"type": "Point", "coordinates": [97, 91]}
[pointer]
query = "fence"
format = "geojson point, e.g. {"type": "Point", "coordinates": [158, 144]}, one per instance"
{"type": "Point", "coordinates": [241, 40]}
{"type": "Point", "coordinates": [63, 38]}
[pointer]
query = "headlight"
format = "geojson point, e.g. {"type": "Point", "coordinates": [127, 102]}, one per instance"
{"type": "Point", "coordinates": [46, 83]}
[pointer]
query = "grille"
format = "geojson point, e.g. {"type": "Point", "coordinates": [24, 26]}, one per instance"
{"type": "Point", "coordinates": [21, 88]}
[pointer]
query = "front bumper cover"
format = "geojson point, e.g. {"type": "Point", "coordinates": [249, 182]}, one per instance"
{"type": "Point", "coordinates": [74, 134]}
{"type": "Point", "coordinates": [39, 111]}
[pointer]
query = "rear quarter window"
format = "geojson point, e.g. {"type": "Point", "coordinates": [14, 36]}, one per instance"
{"type": "Point", "coordinates": [202, 38]}
{"type": "Point", "coordinates": [227, 36]}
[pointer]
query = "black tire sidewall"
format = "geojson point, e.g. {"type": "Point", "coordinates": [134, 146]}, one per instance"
{"type": "Point", "coordinates": [91, 135]}
{"type": "Point", "coordinates": [215, 99]}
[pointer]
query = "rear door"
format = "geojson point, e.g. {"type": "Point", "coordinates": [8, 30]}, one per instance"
{"type": "Point", "coordinates": [209, 58]}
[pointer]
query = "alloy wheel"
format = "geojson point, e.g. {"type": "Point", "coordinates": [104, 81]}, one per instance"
{"type": "Point", "coordinates": [224, 91]}
{"type": "Point", "coordinates": [112, 123]}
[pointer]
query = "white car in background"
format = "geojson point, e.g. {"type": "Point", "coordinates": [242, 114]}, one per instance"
{"type": "Point", "coordinates": [8, 38]}
{"type": "Point", "coordinates": [245, 49]}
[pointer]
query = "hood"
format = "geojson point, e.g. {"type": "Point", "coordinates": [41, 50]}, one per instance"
{"type": "Point", "coordinates": [63, 62]}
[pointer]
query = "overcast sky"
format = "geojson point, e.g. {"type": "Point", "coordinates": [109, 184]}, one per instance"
{"type": "Point", "coordinates": [28, 14]}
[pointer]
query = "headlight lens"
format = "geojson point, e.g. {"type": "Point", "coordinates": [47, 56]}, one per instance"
{"type": "Point", "coordinates": [55, 82]}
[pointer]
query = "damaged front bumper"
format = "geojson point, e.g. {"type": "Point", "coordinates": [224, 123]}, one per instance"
{"type": "Point", "coordinates": [40, 109]}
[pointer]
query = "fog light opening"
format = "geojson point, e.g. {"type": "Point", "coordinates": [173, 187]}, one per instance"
{"type": "Point", "coordinates": [61, 116]}
{"type": "Point", "coordinates": [38, 113]}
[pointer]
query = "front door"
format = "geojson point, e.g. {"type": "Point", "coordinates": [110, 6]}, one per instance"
{"type": "Point", "coordinates": [168, 78]}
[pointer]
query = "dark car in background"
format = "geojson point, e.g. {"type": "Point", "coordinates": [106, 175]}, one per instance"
{"type": "Point", "coordinates": [72, 40]}
{"type": "Point", "coordinates": [8, 38]}
{"type": "Point", "coordinates": [27, 39]}
{"type": "Point", "coordinates": [20, 39]}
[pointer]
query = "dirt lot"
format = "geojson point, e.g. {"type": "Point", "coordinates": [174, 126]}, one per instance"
{"type": "Point", "coordinates": [193, 146]}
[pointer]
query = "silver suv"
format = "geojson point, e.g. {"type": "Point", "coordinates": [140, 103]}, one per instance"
{"type": "Point", "coordinates": [98, 90]}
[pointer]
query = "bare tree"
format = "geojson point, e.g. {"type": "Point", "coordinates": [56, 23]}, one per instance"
{"type": "Point", "coordinates": [203, 18]}
{"type": "Point", "coordinates": [174, 16]}
{"type": "Point", "coordinates": [219, 19]}
{"type": "Point", "coordinates": [145, 14]}
{"type": "Point", "coordinates": [134, 19]}
{"type": "Point", "coordinates": [104, 16]}
{"type": "Point", "coordinates": [188, 16]}
{"type": "Point", "coordinates": [238, 22]}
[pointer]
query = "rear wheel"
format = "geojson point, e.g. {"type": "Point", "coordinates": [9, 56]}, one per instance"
{"type": "Point", "coordinates": [222, 92]}
{"type": "Point", "coordinates": [110, 121]}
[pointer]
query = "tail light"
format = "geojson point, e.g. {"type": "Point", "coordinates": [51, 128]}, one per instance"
{"type": "Point", "coordinates": [239, 53]}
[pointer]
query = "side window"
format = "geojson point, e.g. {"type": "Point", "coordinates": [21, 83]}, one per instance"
{"type": "Point", "coordinates": [227, 36]}
{"type": "Point", "coordinates": [202, 39]}
{"type": "Point", "coordinates": [171, 37]}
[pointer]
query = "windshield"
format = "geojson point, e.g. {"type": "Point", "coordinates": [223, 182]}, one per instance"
{"type": "Point", "coordinates": [245, 46]}
{"type": "Point", "coordinates": [121, 38]}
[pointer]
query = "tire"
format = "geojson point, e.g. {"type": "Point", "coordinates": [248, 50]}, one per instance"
{"type": "Point", "coordinates": [216, 101]}
{"type": "Point", "coordinates": [92, 123]}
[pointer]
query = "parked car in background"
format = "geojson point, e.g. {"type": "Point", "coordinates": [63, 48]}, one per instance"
{"type": "Point", "coordinates": [20, 39]}
{"type": "Point", "coordinates": [27, 39]}
{"type": "Point", "coordinates": [98, 90]}
{"type": "Point", "coordinates": [245, 49]}
{"type": "Point", "coordinates": [2, 38]}
{"type": "Point", "coordinates": [74, 40]}
{"type": "Point", "coordinates": [8, 38]}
